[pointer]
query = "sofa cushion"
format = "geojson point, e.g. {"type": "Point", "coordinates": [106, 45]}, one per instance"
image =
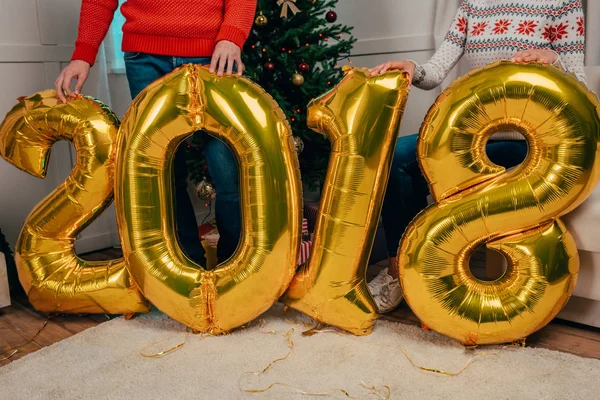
{"type": "Point", "coordinates": [588, 282]}
{"type": "Point", "coordinates": [584, 223]}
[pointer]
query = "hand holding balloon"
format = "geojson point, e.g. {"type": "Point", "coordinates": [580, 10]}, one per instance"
{"type": "Point", "coordinates": [535, 55]}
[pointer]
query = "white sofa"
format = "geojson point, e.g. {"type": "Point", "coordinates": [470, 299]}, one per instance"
{"type": "Point", "coordinates": [584, 225]}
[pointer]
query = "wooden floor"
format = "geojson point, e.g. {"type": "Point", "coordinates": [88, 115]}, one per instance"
{"type": "Point", "coordinates": [19, 323]}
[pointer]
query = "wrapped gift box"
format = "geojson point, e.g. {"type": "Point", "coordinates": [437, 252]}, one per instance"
{"type": "Point", "coordinates": [210, 237]}
{"type": "Point", "coordinates": [305, 248]}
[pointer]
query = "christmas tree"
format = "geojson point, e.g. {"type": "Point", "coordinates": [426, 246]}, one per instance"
{"type": "Point", "coordinates": [292, 52]}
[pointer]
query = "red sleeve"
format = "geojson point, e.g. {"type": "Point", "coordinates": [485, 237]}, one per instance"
{"type": "Point", "coordinates": [94, 21]}
{"type": "Point", "coordinates": [239, 17]}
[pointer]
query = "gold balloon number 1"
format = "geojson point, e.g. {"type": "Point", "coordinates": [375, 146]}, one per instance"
{"type": "Point", "coordinates": [361, 117]}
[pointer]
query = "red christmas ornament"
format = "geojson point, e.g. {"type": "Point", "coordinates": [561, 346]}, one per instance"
{"type": "Point", "coordinates": [331, 16]}
{"type": "Point", "coordinates": [303, 67]}
{"type": "Point", "coordinates": [269, 66]}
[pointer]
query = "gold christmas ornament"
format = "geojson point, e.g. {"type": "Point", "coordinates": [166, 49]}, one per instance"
{"type": "Point", "coordinates": [55, 279]}
{"type": "Point", "coordinates": [248, 120]}
{"type": "Point", "coordinates": [261, 20]}
{"type": "Point", "coordinates": [205, 191]}
{"type": "Point", "coordinates": [299, 143]}
{"type": "Point", "coordinates": [514, 212]}
{"type": "Point", "coordinates": [298, 79]}
{"type": "Point", "coordinates": [360, 116]}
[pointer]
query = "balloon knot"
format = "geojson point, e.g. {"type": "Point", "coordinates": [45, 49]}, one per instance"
{"type": "Point", "coordinates": [203, 298]}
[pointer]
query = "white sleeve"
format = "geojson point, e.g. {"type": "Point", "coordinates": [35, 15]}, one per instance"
{"type": "Point", "coordinates": [568, 37]}
{"type": "Point", "coordinates": [432, 73]}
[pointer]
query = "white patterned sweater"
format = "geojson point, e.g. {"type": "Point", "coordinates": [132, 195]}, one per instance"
{"type": "Point", "coordinates": [485, 31]}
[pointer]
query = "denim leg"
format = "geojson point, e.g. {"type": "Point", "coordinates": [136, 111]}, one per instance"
{"type": "Point", "coordinates": [223, 169]}
{"type": "Point", "coordinates": [406, 194]}
{"type": "Point", "coordinates": [507, 153]}
{"type": "Point", "coordinates": [179, 61]}
{"type": "Point", "coordinates": [143, 69]}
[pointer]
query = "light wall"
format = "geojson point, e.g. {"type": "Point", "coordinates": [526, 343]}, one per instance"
{"type": "Point", "coordinates": [35, 37]}
{"type": "Point", "coordinates": [393, 30]}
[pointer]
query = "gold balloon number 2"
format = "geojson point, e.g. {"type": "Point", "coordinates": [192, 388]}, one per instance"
{"type": "Point", "coordinates": [53, 276]}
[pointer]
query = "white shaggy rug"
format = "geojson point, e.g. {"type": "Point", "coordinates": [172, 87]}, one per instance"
{"type": "Point", "coordinates": [105, 363]}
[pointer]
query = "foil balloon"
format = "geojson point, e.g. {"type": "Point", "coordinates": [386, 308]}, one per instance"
{"type": "Point", "coordinates": [514, 212]}
{"type": "Point", "coordinates": [246, 118]}
{"type": "Point", "coordinates": [53, 276]}
{"type": "Point", "coordinates": [361, 117]}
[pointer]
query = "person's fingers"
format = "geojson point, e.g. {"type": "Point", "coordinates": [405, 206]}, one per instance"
{"type": "Point", "coordinates": [375, 70]}
{"type": "Point", "coordinates": [80, 81]}
{"type": "Point", "coordinates": [230, 61]}
{"type": "Point", "coordinates": [518, 57]}
{"type": "Point", "coordinates": [214, 62]}
{"type": "Point", "coordinates": [531, 55]}
{"type": "Point", "coordinates": [385, 67]}
{"type": "Point", "coordinates": [221, 65]}
{"type": "Point", "coordinates": [240, 65]}
{"type": "Point", "coordinates": [58, 87]}
{"type": "Point", "coordinates": [66, 85]}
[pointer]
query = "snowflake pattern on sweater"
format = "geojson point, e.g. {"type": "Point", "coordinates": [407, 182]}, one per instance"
{"type": "Point", "coordinates": [485, 31]}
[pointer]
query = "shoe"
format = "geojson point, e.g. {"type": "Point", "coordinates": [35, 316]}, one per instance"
{"type": "Point", "coordinates": [386, 292]}
{"type": "Point", "coordinates": [377, 283]}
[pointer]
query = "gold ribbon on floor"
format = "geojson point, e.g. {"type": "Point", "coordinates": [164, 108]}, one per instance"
{"type": "Point", "coordinates": [287, 4]}
{"type": "Point", "coordinates": [169, 350]}
{"type": "Point", "coordinates": [288, 337]}
{"type": "Point", "coordinates": [10, 352]}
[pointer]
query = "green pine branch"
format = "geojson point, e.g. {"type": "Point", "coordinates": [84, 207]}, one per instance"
{"type": "Point", "coordinates": [287, 42]}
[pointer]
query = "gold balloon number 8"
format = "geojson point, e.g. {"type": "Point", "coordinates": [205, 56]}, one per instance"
{"type": "Point", "coordinates": [514, 212]}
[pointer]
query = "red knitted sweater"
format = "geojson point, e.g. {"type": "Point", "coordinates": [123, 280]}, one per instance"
{"type": "Point", "coordinates": [185, 28]}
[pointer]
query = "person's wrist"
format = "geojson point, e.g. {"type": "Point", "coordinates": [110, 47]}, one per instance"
{"type": "Point", "coordinates": [554, 57]}
{"type": "Point", "coordinates": [82, 62]}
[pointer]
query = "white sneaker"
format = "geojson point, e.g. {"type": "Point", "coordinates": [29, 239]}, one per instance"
{"type": "Point", "coordinates": [386, 292]}
{"type": "Point", "coordinates": [377, 283]}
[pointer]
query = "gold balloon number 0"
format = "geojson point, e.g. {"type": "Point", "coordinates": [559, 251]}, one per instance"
{"type": "Point", "coordinates": [246, 118]}
{"type": "Point", "coordinates": [514, 212]}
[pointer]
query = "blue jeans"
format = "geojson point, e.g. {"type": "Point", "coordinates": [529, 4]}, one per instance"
{"type": "Point", "coordinates": [143, 69]}
{"type": "Point", "coordinates": [407, 189]}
